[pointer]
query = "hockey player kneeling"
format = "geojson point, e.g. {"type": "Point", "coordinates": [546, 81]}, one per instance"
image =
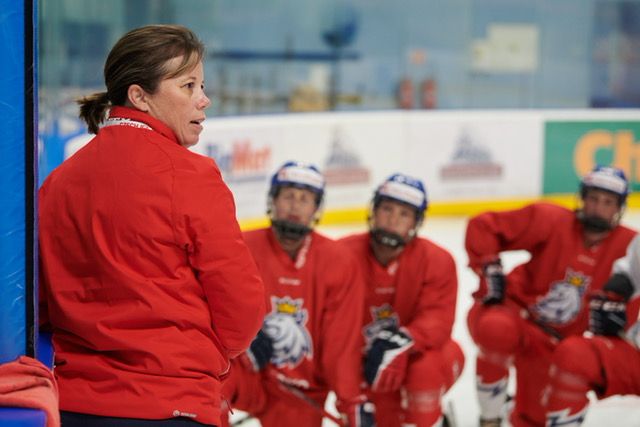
{"type": "Point", "coordinates": [314, 289]}
{"type": "Point", "coordinates": [607, 362]}
{"type": "Point", "coordinates": [410, 358]}
{"type": "Point", "coordinates": [519, 317]}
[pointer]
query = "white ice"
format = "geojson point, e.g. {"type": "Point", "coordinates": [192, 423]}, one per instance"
{"type": "Point", "coordinates": [619, 411]}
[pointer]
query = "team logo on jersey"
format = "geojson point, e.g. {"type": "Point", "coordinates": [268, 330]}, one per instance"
{"type": "Point", "coordinates": [285, 325]}
{"type": "Point", "coordinates": [382, 317]}
{"type": "Point", "coordinates": [563, 302]}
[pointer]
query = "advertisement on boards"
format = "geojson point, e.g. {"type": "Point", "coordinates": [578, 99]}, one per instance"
{"type": "Point", "coordinates": [476, 156]}
{"type": "Point", "coordinates": [353, 151]}
{"type": "Point", "coordinates": [573, 148]}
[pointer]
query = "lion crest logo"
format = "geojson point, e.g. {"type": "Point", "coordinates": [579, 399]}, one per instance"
{"type": "Point", "coordinates": [383, 317]}
{"type": "Point", "coordinates": [285, 325]}
{"type": "Point", "coordinates": [563, 302]}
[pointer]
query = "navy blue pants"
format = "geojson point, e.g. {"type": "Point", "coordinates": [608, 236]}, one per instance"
{"type": "Point", "coordinates": [74, 419]}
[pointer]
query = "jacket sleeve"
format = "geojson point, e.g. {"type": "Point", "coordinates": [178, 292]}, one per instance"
{"type": "Point", "coordinates": [432, 322]}
{"type": "Point", "coordinates": [342, 340]}
{"type": "Point", "coordinates": [490, 233]}
{"type": "Point", "coordinates": [43, 306]}
{"type": "Point", "coordinates": [219, 257]}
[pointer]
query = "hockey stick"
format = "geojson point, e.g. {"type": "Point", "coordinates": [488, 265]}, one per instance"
{"type": "Point", "coordinates": [300, 395]}
{"type": "Point", "coordinates": [293, 392]}
{"type": "Point", "coordinates": [242, 420]}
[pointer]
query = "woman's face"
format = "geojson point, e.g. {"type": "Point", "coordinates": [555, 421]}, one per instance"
{"type": "Point", "coordinates": [179, 102]}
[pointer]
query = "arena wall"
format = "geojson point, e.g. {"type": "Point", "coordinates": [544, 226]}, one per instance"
{"type": "Point", "coordinates": [469, 160]}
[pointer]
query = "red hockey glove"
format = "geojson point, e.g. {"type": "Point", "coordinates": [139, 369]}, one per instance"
{"type": "Point", "coordinates": [357, 413]}
{"type": "Point", "coordinates": [386, 361]}
{"type": "Point", "coordinates": [496, 283]}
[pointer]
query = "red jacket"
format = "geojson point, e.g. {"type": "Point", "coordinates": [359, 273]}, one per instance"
{"type": "Point", "coordinates": [314, 302]}
{"type": "Point", "coordinates": [417, 290]}
{"type": "Point", "coordinates": [561, 270]}
{"type": "Point", "coordinates": [145, 282]}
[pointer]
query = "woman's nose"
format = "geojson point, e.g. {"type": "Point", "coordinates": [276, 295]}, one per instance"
{"type": "Point", "coordinates": [204, 102]}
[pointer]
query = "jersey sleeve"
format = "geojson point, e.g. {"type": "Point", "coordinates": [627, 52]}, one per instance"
{"type": "Point", "coordinates": [216, 251]}
{"type": "Point", "coordinates": [630, 264]}
{"type": "Point", "coordinates": [342, 340]}
{"type": "Point", "coordinates": [490, 233]}
{"type": "Point", "coordinates": [432, 322]}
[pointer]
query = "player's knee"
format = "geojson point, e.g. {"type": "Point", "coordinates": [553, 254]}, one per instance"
{"type": "Point", "coordinates": [423, 401]}
{"type": "Point", "coordinates": [497, 330]}
{"type": "Point", "coordinates": [575, 364]}
{"type": "Point", "coordinates": [454, 361]}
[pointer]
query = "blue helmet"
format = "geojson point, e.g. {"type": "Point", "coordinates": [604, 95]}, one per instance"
{"type": "Point", "coordinates": [404, 189]}
{"type": "Point", "coordinates": [298, 175]}
{"type": "Point", "coordinates": [608, 179]}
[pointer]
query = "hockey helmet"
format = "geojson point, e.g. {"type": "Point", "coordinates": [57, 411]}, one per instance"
{"type": "Point", "coordinates": [298, 175]}
{"type": "Point", "coordinates": [606, 178]}
{"type": "Point", "coordinates": [404, 189]}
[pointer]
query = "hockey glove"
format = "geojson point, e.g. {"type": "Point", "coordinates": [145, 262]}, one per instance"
{"type": "Point", "coordinates": [360, 413]}
{"type": "Point", "coordinates": [386, 362]}
{"type": "Point", "coordinates": [496, 283]}
{"type": "Point", "coordinates": [608, 309]}
{"type": "Point", "coordinates": [607, 313]}
{"type": "Point", "coordinates": [260, 351]}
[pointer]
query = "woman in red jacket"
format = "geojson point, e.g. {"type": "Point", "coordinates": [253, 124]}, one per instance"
{"type": "Point", "coordinates": [146, 282]}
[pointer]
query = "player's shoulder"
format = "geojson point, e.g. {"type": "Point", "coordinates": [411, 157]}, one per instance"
{"type": "Point", "coordinates": [332, 250]}
{"type": "Point", "coordinates": [355, 244]}
{"type": "Point", "coordinates": [253, 236]}
{"type": "Point", "coordinates": [548, 210]}
{"type": "Point", "coordinates": [324, 243]}
{"type": "Point", "coordinates": [354, 239]}
{"type": "Point", "coordinates": [625, 232]}
{"type": "Point", "coordinates": [549, 206]}
{"type": "Point", "coordinates": [431, 249]}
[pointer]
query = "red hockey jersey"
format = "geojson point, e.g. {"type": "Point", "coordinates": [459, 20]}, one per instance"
{"type": "Point", "coordinates": [417, 290]}
{"type": "Point", "coordinates": [313, 312]}
{"type": "Point", "coordinates": [554, 283]}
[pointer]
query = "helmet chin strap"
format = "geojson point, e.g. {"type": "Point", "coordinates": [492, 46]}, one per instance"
{"type": "Point", "coordinates": [387, 238]}
{"type": "Point", "coordinates": [596, 224]}
{"type": "Point", "coordinates": [290, 230]}
{"type": "Point", "coordinates": [391, 239]}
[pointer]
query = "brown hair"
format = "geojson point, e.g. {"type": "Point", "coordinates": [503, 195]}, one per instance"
{"type": "Point", "coordinates": [140, 57]}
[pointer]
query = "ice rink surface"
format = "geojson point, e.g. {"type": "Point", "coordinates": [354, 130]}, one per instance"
{"type": "Point", "coordinates": [449, 233]}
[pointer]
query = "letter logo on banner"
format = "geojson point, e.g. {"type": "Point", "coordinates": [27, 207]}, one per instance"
{"type": "Point", "coordinates": [574, 148]}
{"type": "Point", "coordinates": [240, 160]}
{"type": "Point", "coordinates": [625, 152]}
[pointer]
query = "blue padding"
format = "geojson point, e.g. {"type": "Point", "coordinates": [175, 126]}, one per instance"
{"type": "Point", "coordinates": [12, 181]}
{"type": "Point", "coordinates": [20, 417]}
{"type": "Point", "coordinates": [44, 351]}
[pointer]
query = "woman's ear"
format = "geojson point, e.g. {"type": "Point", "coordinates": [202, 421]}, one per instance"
{"type": "Point", "coordinates": [137, 97]}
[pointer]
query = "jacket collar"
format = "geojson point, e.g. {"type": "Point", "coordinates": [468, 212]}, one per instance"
{"type": "Point", "coordinates": [126, 113]}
